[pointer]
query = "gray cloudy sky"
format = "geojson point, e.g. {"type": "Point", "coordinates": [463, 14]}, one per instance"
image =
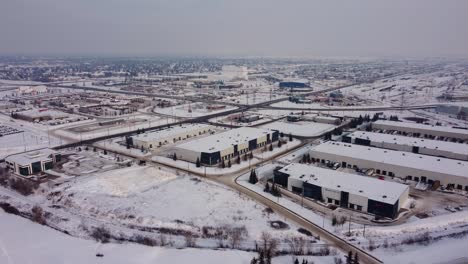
{"type": "Point", "coordinates": [235, 27]}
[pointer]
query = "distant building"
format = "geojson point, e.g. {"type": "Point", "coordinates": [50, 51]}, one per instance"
{"type": "Point", "coordinates": [359, 193]}
{"type": "Point", "coordinates": [231, 72]}
{"type": "Point", "coordinates": [410, 144]}
{"type": "Point", "coordinates": [31, 90]}
{"type": "Point", "coordinates": [294, 84]}
{"type": "Point", "coordinates": [405, 165]}
{"type": "Point", "coordinates": [32, 162]}
{"type": "Point", "coordinates": [421, 130]}
{"type": "Point", "coordinates": [250, 118]}
{"type": "Point", "coordinates": [213, 149]}
{"type": "Point", "coordinates": [156, 139]}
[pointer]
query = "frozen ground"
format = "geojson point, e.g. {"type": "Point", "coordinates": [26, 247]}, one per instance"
{"type": "Point", "coordinates": [39, 244]}
{"type": "Point", "coordinates": [302, 128]}
{"type": "Point", "coordinates": [35, 136]}
{"type": "Point", "coordinates": [155, 198]}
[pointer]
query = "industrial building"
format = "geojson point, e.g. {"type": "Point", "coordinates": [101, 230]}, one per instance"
{"type": "Point", "coordinates": [155, 139]}
{"type": "Point", "coordinates": [223, 146]}
{"type": "Point", "coordinates": [406, 165]}
{"type": "Point", "coordinates": [294, 84]}
{"type": "Point", "coordinates": [32, 162]}
{"type": "Point", "coordinates": [422, 130]}
{"type": "Point", "coordinates": [360, 193]}
{"type": "Point", "coordinates": [410, 144]}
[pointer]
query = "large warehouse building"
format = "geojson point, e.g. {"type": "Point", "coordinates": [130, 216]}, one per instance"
{"type": "Point", "coordinates": [421, 130]}
{"type": "Point", "coordinates": [360, 193]}
{"type": "Point", "coordinates": [410, 144]}
{"type": "Point", "coordinates": [417, 167]}
{"type": "Point", "coordinates": [224, 146]}
{"type": "Point", "coordinates": [155, 139]}
{"type": "Point", "coordinates": [32, 162]}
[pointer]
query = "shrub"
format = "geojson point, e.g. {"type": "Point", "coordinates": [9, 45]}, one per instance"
{"type": "Point", "coordinates": [101, 234]}
{"type": "Point", "coordinates": [38, 215]}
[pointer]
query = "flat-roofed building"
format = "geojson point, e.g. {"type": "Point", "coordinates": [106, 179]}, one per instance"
{"type": "Point", "coordinates": [32, 162]}
{"type": "Point", "coordinates": [422, 130]}
{"type": "Point", "coordinates": [360, 193]}
{"type": "Point", "coordinates": [223, 146]}
{"type": "Point", "coordinates": [410, 144]}
{"type": "Point", "coordinates": [155, 139]}
{"type": "Point", "coordinates": [406, 165]}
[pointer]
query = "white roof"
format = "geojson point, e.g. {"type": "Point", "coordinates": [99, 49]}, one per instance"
{"type": "Point", "coordinates": [31, 156]}
{"type": "Point", "coordinates": [378, 190]}
{"type": "Point", "coordinates": [396, 158]}
{"type": "Point", "coordinates": [459, 148]}
{"type": "Point", "coordinates": [443, 129]}
{"type": "Point", "coordinates": [169, 132]}
{"type": "Point", "coordinates": [222, 141]}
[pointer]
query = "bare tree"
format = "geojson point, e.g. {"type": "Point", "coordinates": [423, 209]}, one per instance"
{"type": "Point", "coordinates": [38, 215]}
{"type": "Point", "coordinates": [236, 235]}
{"type": "Point", "coordinates": [190, 240]}
{"type": "Point", "coordinates": [296, 245]}
{"type": "Point", "coordinates": [269, 245]}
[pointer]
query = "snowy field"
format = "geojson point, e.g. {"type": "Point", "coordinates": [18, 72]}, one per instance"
{"type": "Point", "coordinates": [155, 198]}
{"type": "Point", "coordinates": [54, 247]}
{"type": "Point", "coordinates": [302, 128]}
{"type": "Point", "coordinates": [35, 136]}
{"type": "Point", "coordinates": [417, 89]}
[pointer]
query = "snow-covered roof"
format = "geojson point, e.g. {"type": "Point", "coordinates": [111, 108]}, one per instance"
{"type": "Point", "coordinates": [222, 141]}
{"type": "Point", "coordinates": [169, 132]}
{"type": "Point", "coordinates": [412, 141]}
{"type": "Point", "coordinates": [31, 156]}
{"type": "Point", "coordinates": [442, 129]}
{"type": "Point", "coordinates": [378, 190]}
{"type": "Point", "coordinates": [396, 158]}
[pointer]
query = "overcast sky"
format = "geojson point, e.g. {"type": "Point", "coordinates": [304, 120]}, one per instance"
{"type": "Point", "coordinates": [235, 28]}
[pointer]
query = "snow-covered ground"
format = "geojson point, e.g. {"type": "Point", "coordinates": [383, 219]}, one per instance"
{"type": "Point", "coordinates": [302, 128]}
{"type": "Point", "coordinates": [22, 241]}
{"type": "Point", "coordinates": [35, 136]}
{"type": "Point", "coordinates": [94, 130]}
{"type": "Point", "coordinates": [158, 198]}
{"type": "Point", "coordinates": [190, 110]}
{"type": "Point", "coordinates": [40, 244]}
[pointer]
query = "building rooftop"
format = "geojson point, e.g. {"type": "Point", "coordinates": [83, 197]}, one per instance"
{"type": "Point", "coordinates": [169, 132]}
{"type": "Point", "coordinates": [225, 140]}
{"type": "Point", "coordinates": [444, 129]}
{"type": "Point", "coordinates": [396, 158]}
{"type": "Point", "coordinates": [27, 158]}
{"type": "Point", "coordinates": [378, 190]}
{"type": "Point", "coordinates": [412, 141]}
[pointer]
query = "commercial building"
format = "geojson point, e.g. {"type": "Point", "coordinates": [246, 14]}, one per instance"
{"type": "Point", "coordinates": [32, 162]}
{"type": "Point", "coordinates": [360, 193]}
{"type": "Point", "coordinates": [294, 84]}
{"type": "Point", "coordinates": [422, 130]}
{"type": "Point", "coordinates": [406, 165]}
{"type": "Point", "coordinates": [410, 144]}
{"type": "Point", "coordinates": [156, 139]}
{"type": "Point", "coordinates": [224, 146]}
